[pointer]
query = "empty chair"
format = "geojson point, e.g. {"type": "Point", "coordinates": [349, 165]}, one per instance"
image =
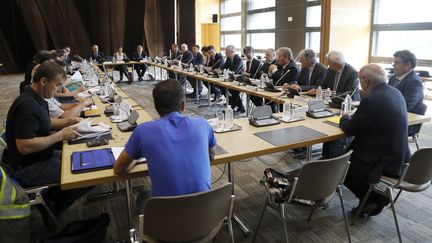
{"type": "Point", "coordinates": [194, 217]}
{"type": "Point", "coordinates": [416, 177]}
{"type": "Point", "coordinates": [316, 181]}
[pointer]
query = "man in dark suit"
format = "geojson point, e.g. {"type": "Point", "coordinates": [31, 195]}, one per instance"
{"type": "Point", "coordinates": [380, 146]}
{"type": "Point", "coordinates": [234, 63]}
{"type": "Point", "coordinates": [174, 52]}
{"type": "Point", "coordinates": [341, 77]}
{"type": "Point", "coordinates": [312, 73]}
{"type": "Point", "coordinates": [198, 60]}
{"type": "Point", "coordinates": [407, 82]}
{"type": "Point", "coordinates": [286, 71]}
{"type": "Point", "coordinates": [216, 61]}
{"type": "Point", "coordinates": [96, 55]}
{"type": "Point", "coordinates": [139, 55]}
{"type": "Point", "coordinates": [253, 71]}
{"type": "Point", "coordinates": [185, 58]}
{"type": "Point", "coordinates": [270, 58]}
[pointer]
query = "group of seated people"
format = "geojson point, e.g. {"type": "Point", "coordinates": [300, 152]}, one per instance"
{"type": "Point", "coordinates": [379, 125]}
{"type": "Point", "coordinates": [99, 57]}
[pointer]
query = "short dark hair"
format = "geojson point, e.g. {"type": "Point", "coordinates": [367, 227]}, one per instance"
{"type": "Point", "coordinates": [197, 46]}
{"type": "Point", "coordinates": [210, 47]}
{"type": "Point", "coordinates": [406, 57]}
{"type": "Point", "coordinates": [248, 49]}
{"type": "Point", "coordinates": [168, 96]}
{"type": "Point", "coordinates": [204, 49]}
{"type": "Point", "coordinates": [49, 70]}
{"type": "Point", "coordinates": [60, 53]}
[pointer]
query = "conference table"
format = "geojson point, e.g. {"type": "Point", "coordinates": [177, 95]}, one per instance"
{"type": "Point", "coordinates": [248, 145]}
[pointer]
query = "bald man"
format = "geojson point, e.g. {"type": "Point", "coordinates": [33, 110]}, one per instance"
{"type": "Point", "coordinates": [380, 146]}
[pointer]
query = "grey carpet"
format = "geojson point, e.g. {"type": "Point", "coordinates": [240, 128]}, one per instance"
{"type": "Point", "coordinates": [414, 209]}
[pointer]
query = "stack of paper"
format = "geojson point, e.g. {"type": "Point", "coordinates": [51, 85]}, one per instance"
{"type": "Point", "coordinates": [87, 130]}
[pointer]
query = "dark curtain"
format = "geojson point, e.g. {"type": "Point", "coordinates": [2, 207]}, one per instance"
{"type": "Point", "coordinates": [31, 25]}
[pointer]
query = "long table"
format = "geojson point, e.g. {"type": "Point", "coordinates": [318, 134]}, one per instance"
{"type": "Point", "coordinates": [250, 146]}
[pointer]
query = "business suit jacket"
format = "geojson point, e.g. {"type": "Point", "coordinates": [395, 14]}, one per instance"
{"type": "Point", "coordinates": [186, 57]}
{"type": "Point", "coordinates": [174, 55]}
{"type": "Point", "coordinates": [137, 57]}
{"type": "Point", "coordinates": [254, 69]}
{"type": "Point", "coordinates": [348, 81]}
{"type": "Point", "coordinates": [235, 65]}
{"type": "Point", "coordinates": [216, 62]}
{"type": "Point", "coordinates": [265, 68]}
{"type": "Point", "coordinates": [380, 127]}
{"type": "Point", "coordinates": [316, 79]}
{"type": "Point", "coordinates": [99, 57]}
{"type": "Point", "coordinates": [279, 78]}
{"type": "Point", "coordinates": [411, 88]}
{"type": "Point", "coordinates": [198, 59]}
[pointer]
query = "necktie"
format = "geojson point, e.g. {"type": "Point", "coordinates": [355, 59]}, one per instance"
{"type": "Point", "coordinates": [306, 79]}
{"type": "Point", "coordinates": [248, 64]}
{"type": "Point", "coordinates": [336, 81]}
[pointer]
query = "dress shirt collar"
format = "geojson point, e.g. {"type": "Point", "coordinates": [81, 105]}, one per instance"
{"type": "Point", "coordinates": [403, 76]}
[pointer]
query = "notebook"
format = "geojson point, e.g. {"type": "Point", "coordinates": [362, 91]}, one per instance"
{"type": "Point", "coordinates": [97, 159]}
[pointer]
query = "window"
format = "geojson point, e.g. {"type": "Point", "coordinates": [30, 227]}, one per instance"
{"type": "Point", "coordinates": [313, 25]}
{"type": "Point", "coordinates": [230, 6]}
{"type": "Point", "coordinates": [231, 23]}
{"type": "Point", "coordinates": [260, 4]}
{"type": "Point", "coordinates": [397, 26]}
{"type": "Point", "coordinates": [261, 41]}
{"type": "Point", "coordinates": [261, 21]}
{"type": "Point", "coordinates": [258, 23]}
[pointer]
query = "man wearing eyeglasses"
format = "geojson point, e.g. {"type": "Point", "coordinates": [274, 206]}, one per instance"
{"type": "Point", "coordinates": [407, 82]}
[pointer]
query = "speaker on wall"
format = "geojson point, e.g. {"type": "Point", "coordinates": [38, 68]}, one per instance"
{"type": "Point", "coordinates": [215, 18]}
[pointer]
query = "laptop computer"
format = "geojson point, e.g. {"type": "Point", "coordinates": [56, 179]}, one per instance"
{"type": "Point", "coordinates": [270, 87]}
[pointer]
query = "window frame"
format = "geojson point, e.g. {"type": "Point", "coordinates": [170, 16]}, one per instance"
{"type": "Point", "coordinates": [376, 28]}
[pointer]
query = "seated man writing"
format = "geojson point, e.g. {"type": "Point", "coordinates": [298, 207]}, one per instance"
{"type": "Point", "coordinates": [178, 148]}
{"type": "Point", "coordinates": [33, 138]}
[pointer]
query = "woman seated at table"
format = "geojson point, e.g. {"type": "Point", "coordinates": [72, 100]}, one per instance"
{"type": "Point", "coordinates": [120, 56]}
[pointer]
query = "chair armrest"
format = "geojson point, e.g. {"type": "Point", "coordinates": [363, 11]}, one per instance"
{"type": "Point", "coordinates": [293, 189]}
{"type": "Point", "coordinates": [36, 190]}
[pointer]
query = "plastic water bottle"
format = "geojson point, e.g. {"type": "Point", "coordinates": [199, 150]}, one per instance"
{"type": "Point", "coordinates": [327, 94]}
{"type": "Point", "coordinates": [190, 67]}
{"type": "Point", "coordinates": [318, 94]}
{"type": "Point", "coordinates": [348, 102]}
{"type": "Point", "coordinates": [225, 75]}
{"type": "Point", "coordinates": [201, 69]}
{"type": "Point", "coordinates": [229, 117]}
{"type": "Point", "coordinates": [261, 83]}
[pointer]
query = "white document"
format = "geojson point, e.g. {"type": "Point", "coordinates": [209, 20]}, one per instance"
{"type": "Point", "coordinates": [77, 76]}
{"type": "Point", "coordinates": [117, 151]}
{"type": "Point", "coordinates": [85, 126]}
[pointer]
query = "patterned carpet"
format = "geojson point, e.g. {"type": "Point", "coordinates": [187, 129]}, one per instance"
{"type": "Point", "coordinates": [414, 209]}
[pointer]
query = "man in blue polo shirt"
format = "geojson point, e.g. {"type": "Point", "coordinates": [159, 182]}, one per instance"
{"type": "Point", "coordinates": [178, 148]}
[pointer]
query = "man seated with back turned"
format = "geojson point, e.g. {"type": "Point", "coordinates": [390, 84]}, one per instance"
{"type": "Point", "coordinates": [312, 73]}
{"type": "Point", "coordinates": [33, 137]}
{"type": "Point", "coordinates": [408, 83]}
{"type": "Point", "coordinates": [178, 148]}
{"type": "Point", "coordinates": [380, 146]}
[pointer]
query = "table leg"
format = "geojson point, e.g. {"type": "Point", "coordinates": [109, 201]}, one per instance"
{"type": "Point", "coordinates": [128, 202]}
{"type": "Point", "coordinates": [309, 153]}
{"type": "Point", "coordinates": [247, 105]}
{"type": "Point", "coordinates": [235, 216]}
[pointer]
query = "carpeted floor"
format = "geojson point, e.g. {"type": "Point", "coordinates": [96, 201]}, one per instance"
{"type": "Point", "coordinates": [414, 210]}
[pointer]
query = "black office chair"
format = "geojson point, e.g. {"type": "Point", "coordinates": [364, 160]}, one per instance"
{"type": "Point", "coordinates": [415, 129]}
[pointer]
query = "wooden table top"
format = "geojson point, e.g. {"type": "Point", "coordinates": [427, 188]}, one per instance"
{"type": "Point", "coordinates": [247, 146]}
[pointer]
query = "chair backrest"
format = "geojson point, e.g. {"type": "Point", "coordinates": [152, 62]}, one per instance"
{"type": "Point", "coordinates": [420, 167]}
{"type": "Point", "coordinates": [187, 217]}
{"type": "Point", "coordinates": [414, 129]}
{"type": "Point", "coordinates": [319, 179]}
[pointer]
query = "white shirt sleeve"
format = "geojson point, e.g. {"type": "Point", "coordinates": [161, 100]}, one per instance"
{"type": "Point", "coordinates": [54, 108]}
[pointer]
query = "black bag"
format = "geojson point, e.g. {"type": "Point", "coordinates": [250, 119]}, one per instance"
{"type": "Point", "coordinates": [92, 230]}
